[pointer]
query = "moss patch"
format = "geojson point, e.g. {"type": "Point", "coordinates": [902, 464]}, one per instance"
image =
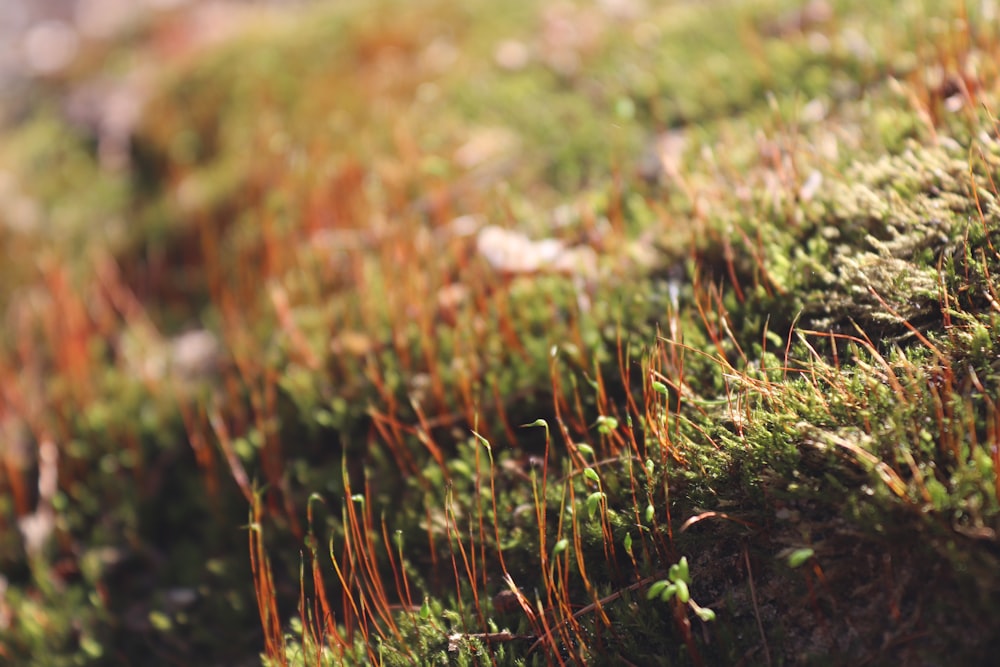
{"type": "Point", "coordinates": [504, 334]}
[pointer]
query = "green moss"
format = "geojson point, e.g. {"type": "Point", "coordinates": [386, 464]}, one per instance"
{"type": "Point", "coordinates": [786, 344]}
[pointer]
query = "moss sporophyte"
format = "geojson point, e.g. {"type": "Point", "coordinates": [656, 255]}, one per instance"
{"type": "Point", "coordinates": [511, 333]}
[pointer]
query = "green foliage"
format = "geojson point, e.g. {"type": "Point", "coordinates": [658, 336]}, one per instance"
{"type": "Point", "coordinates": [676, 586]}
{"type": "Point", "coordinates": [780, 362]}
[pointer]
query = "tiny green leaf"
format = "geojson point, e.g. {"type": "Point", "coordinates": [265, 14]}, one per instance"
{"type": "Point", "coordinates": [650, 513]}
{"type": "Point", "coordinates": [584, 449]}
{"type": "Point", "coordinates": [683, 594]}
{"type": "Point", "coordinates": [706, 615]}
{"type": "Point", "coordinates": [625, 108]}
{"type": "Point", "coordinates": [669, 592]}
{"type": "Point", "coordinates": [659, 387]}
{"type": "Point", "coordinates": [628, 543]}
{"type": "Point", "coordinates": [683, 571]}
{"type": "Point", "coordinates": [560, 546]}
{"type": "Point", "coordinates": [656, 589]}
{"type": "Point", "coordinates": [461, 468]}
{"type": "Point", "coordinates": [799, 557]}
{"type": "Point", "coordinates": [323, 417]}
{"type": "Point", "coordinates": [592, 475]}
{"type": "Point", "coordinates": [160, 621]}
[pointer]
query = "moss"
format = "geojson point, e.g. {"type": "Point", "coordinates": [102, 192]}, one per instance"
{"type": "Point", "coordinates": [778, 364]}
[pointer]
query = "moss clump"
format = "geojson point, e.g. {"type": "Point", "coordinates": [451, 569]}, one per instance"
{"type": "Point", "coordinates": [523, 335]}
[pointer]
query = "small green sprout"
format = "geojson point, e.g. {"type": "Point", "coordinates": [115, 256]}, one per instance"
{"type": "Point", "coordinates": [676, 585]}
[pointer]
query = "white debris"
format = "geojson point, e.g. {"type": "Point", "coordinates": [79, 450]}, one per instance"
{"type": "Point", "coordinates": [811, 186]}
{"type": "Point", "coordinates": [189, 358]}
{"type": "Point", "coordinates": [50, 46]}
{"type": "Point", "coordinates": [195, 354]}
{"type": "Point", "coordinates": [484, 145]}
{"type": "Point", "coordinates": [512, 55]}
{"type": "Point", "coordinates": [513, 252]}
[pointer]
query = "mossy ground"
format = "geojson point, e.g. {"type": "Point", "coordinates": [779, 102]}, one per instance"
{"type": "Point", "coordinates": [761, 337]}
